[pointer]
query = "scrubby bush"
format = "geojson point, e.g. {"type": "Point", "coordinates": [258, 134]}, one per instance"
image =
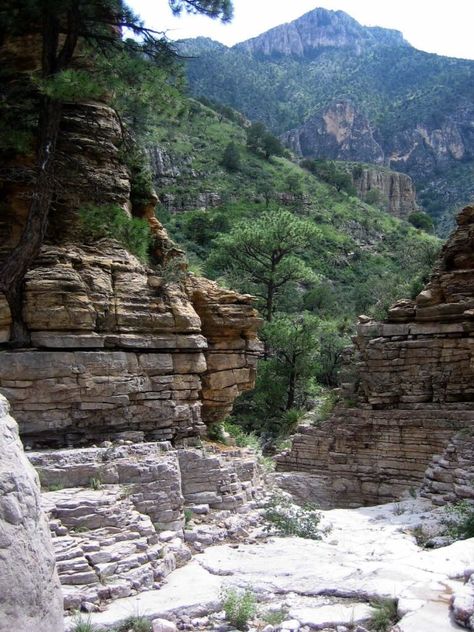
{"type": "Point", "coordinates": [459, 520]}
{"type": "Point", "coordinates": [384, 615]}
{"type": "Point", "coordinates": [134, 624]}
{"type": "Point", "coordinates": [239, 607]}
{"type": "Point", "coordinates": [81, 624]}
{"type": "Point", "coordinates": [242, 439]}
{"type": "Point", "coordinates": [422, 221]}
{"type": "Point", "coordinates": [287, 519]}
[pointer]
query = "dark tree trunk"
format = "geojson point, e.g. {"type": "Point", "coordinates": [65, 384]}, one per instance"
{"type": "Point", "coordinates": [291, 385]}
{"type": "Point", "coordinates": [17, 262]}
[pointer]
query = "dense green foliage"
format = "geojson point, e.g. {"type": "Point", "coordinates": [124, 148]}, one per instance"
{"type": "Point", "coordinates": [347, 257]}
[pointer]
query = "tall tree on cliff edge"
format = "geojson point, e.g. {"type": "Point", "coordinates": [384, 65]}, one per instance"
{"type": "Point", "coordinates": [60, 25]}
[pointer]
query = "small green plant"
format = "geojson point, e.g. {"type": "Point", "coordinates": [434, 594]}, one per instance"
{"type": "Point", "coordinates": [135, 624]}
{"type": "Point", "coordinates": [287, 519]}
{"type": "Point", "coordinates": [215, 432]}
{"type": "Point", "coordinates": [188, 514]}
{"type": "Point", "coordinates": [459, 520]}
{"type": "Point", "coordinates": [239, 607]}
{"type": "Point", "coordinates": [95, 482]}
{"type": "Point", "coordinates": [384, 615]}
{"type": "Point", "coordinates": [275, 617]}
{"type": "Point", "coordinates": [96, 222]}
{"type": "Point", "coordinates": [242, 439]}
{"type": "Point", "coordinates": [81, 624]}
{"type": "Point", "coordinates": [326, 406]}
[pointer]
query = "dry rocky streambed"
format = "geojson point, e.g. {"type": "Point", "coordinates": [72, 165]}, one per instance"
{"type": "Point", "coordinates": [330, 584]}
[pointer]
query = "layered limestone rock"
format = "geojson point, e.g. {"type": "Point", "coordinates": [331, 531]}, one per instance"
{"type": "Point", "coordinates": [412, 397]}
{"type": "Point", "coordinates": [117, 512]}
{"type": "Point", "coordinates": [30, 595]}
{"type": "Point", "coordinates": [395, 191]}
{"type": "Point", "coordinates": [118, 349]}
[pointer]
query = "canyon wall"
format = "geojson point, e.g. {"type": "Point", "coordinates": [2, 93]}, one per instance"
{"type": "Point", "coordinates": [116, 345]}
{"type": "Point", "coordinates": [394, 191]}
{"type": "Point", "coordinates": [116, 348]}
{"type": "Point", "coordinates": [407, 419]}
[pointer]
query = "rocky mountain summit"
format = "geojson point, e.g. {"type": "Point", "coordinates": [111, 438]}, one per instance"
{"type": "Point", "coordinates": [317, 30]}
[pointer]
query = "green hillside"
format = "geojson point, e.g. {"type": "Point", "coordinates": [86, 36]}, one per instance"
{"type": "Point", "coordinates": [418, 105]}
{"type": "Point", "coordinates": [358, 258]}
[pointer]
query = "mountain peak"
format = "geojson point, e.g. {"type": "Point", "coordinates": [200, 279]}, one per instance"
{"type": "Point", "coordinates": [319, 29]}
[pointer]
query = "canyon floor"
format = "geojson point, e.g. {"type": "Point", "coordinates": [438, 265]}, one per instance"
{"type": "Point", "coordinates": [326, 584]}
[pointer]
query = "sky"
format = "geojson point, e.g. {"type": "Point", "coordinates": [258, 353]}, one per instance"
{"type": "Point", "coordinates": [436, 26]}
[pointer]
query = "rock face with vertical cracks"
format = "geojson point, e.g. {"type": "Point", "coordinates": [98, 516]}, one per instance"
{"type": "Point", "coordinates": [30, 594]}
{"type": "Point", "coordinates": [408, 420]}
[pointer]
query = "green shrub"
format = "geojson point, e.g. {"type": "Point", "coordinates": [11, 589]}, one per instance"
{"type": "Point", "coordinates": [215, 432]}
{"type": "Point", "coordinates": [96, 222]}
{"type": "Point", "coordinates": [242, 439]}
{"type": "Point", "coordinates": [81, 624]}
{"type": "Point", "coordinates": [287, 519]}
{"type": "Point", "coordinates": [327, 405]}
{"type": "Point", "coordinates": [239, 607]}
{"type": "Point", "coordinates": [188, 515]}
{"type": "Point", "coordinates": [384, 615]}
{"type": "Point", "coordinates": [459, 520]}
{"type": "Point", "coordinates": [95, 482]}
{"type": "Point", "coordinates": [422, 221]}
{"type": "Point", "coordinates": [134, 624]}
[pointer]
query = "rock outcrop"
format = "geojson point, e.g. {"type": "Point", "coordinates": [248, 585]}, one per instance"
{"type": "Point", "coordinates": [340, 132]}
{"type": "Point", "coordinates": [118, 348]}
{"type": "Point", "coordinates": [393, 190]}
{"type": "Point", "coordinates": [117, 512]}
{"type": "Point", "coordinates": [30, 595]}
{"type": "Point", "coordinates": [410, 388]}
{"type": "Point", "coordinates": [317, 30]}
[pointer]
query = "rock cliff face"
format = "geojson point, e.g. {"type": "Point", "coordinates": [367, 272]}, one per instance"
{"type": "Point", "coordinates": [412, 401]}
{"type": "Point", "coordinates": [118, 349]}
{"type": "Point", "coordinates": [137, 358]}
{"type": "Point", "coordinates": [340, 132]}
{"type": "Point", "coordinates": [115, 345]}
{"type": "Point", "coordinates": [395, 191]}
{"type": "Point", "coordinates": [318, 30]}
{"type": "Point", "coordinates": [30, 596]}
